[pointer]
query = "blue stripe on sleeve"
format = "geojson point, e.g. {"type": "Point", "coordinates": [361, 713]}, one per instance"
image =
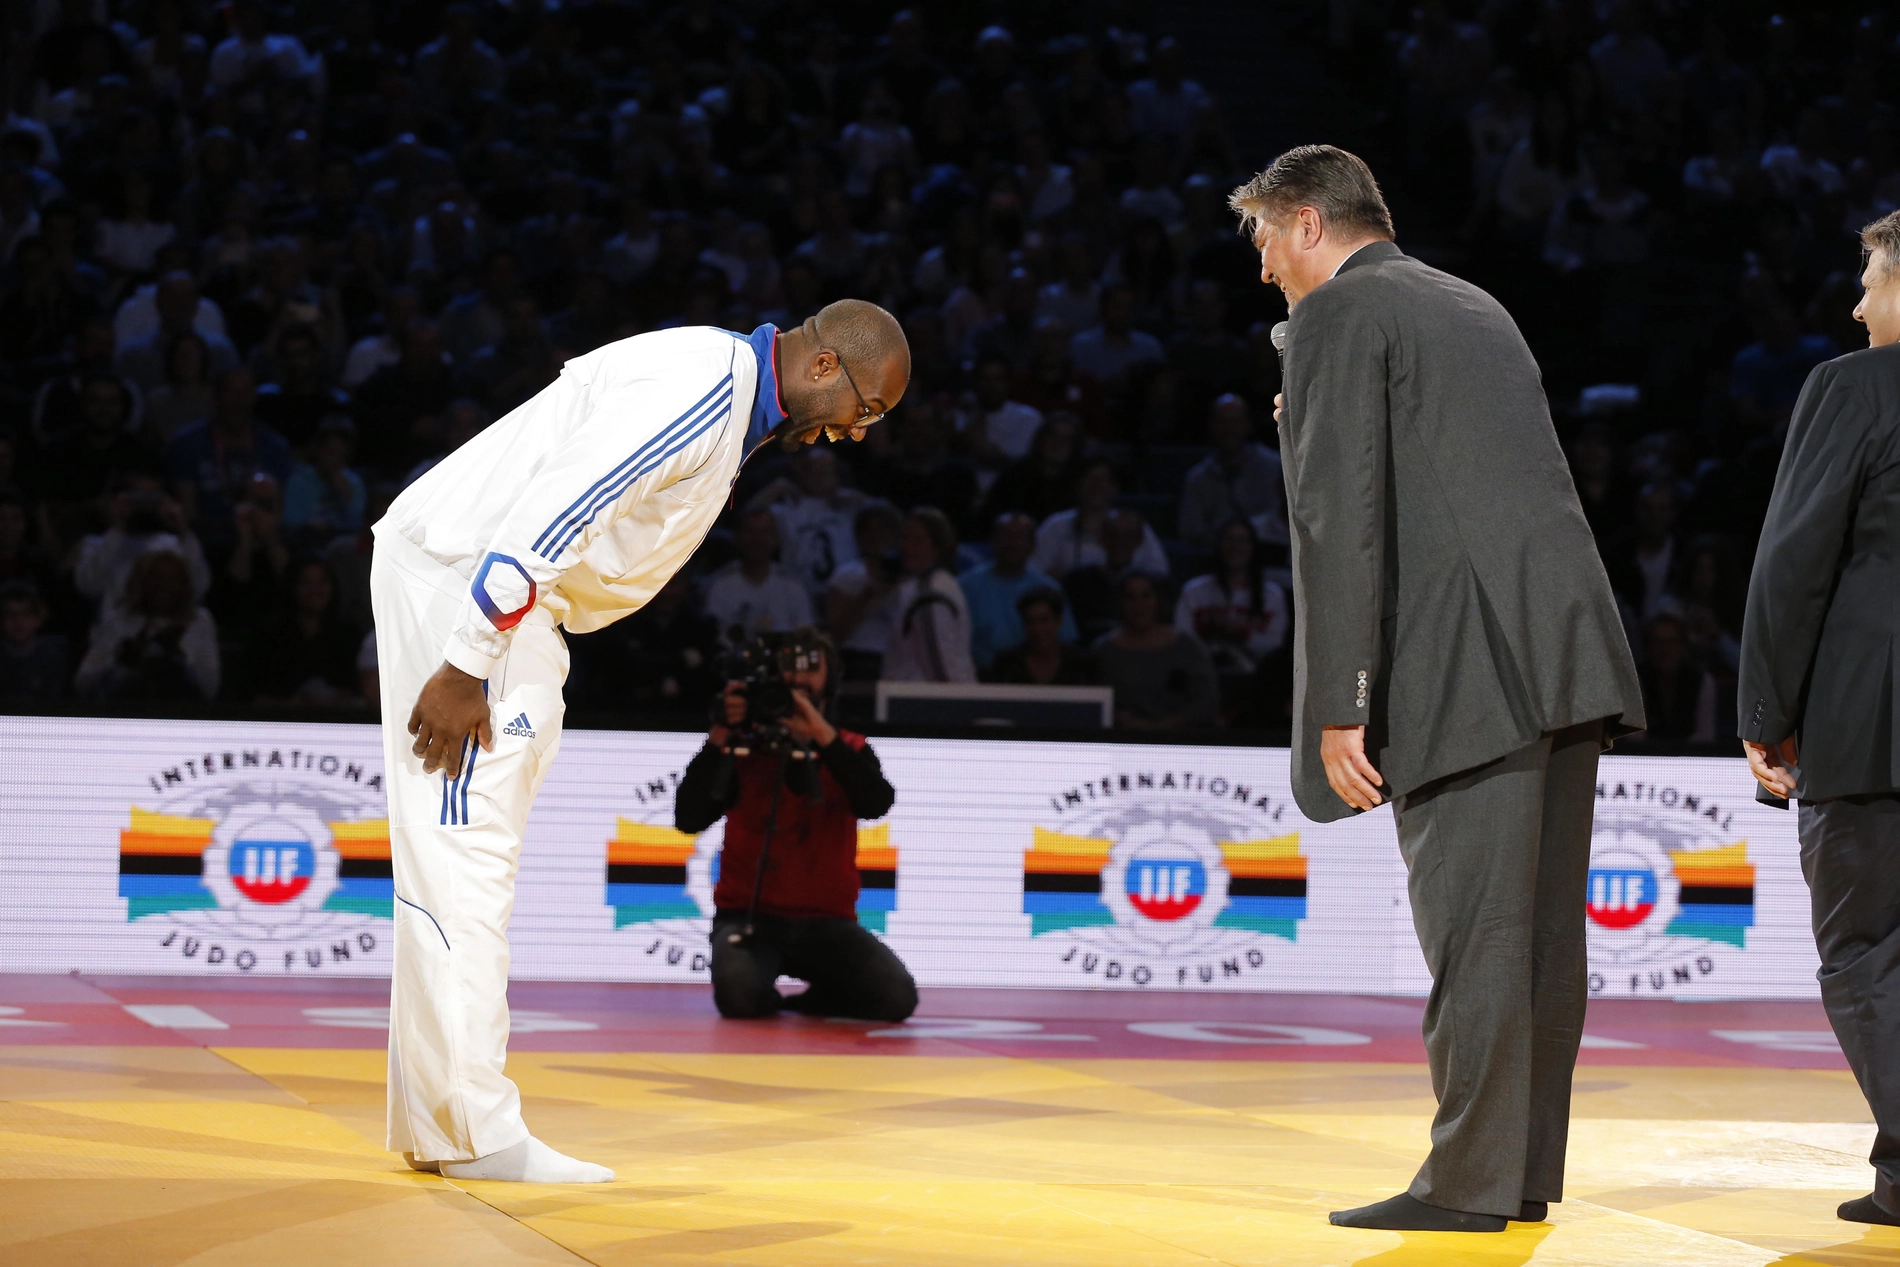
{"type": "Point", "coordinates": [566, 518]}
{"type": "Point", "coordinates": [682, 436]}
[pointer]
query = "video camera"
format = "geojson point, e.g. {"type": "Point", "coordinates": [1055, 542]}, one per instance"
{"type": "Point", "coordinates": [760, 665]}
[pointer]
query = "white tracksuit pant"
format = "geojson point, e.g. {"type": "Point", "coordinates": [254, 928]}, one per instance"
{"type": "Point", "coordinates": [455, 845]}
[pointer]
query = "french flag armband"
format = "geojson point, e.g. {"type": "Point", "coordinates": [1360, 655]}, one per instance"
{"type": "Point", "coordinates": [504, 591]}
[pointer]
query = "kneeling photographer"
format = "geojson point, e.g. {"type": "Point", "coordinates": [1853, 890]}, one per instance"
{"type": "Point", "coordinates": [792, 788]}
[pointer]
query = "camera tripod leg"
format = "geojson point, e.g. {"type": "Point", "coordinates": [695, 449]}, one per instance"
{"type": "Point", "coordinates": [765, 853]}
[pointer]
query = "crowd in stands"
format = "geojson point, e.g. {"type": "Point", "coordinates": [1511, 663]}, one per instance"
{"type": "Point", "coordinates": [264, 263]}
{"type": "Point", "coordinates": [1666, 194]}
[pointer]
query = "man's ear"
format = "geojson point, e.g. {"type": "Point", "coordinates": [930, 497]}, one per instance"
{"type": "Point", "coordinates": [1310, 228]}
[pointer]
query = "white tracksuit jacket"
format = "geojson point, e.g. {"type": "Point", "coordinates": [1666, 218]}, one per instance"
{"type": "Point", "coordinates": [585, 500]}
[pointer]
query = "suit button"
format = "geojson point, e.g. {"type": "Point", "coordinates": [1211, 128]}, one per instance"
{"type": "Point", "coordinates": [1360, 702]}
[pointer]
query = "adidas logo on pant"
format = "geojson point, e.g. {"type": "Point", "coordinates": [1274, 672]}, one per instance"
{"type": "Point", "coordinates": [519, 726]}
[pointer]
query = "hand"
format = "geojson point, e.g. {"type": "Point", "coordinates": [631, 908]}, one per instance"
{"type": "Point", "coordinates": [1770, 764]}
{"type": "Point", "coordinates": [1342, 749]}
{"type": "Point", "coordinates": [808, 723]}
{"type": "Point", "coordinates": [1279, 401]}
{"type": "Point", "coordinates": [450, 708]}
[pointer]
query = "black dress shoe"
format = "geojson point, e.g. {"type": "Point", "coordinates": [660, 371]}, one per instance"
{"type": "Point", "coordinates": [1864, 1210]}
{"type": "Point", "coordinates": [1406, 1213]}
{"type": "Point", "coordinates": [1532, 1212]}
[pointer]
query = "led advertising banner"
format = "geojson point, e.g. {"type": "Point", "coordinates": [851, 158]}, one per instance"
{"type": "Point", "coordinates": [171, 847]}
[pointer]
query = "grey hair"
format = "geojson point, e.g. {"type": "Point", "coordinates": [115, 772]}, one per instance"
{"type": "Point", "coordinates": [1333, 182]}
{"type": "Point", "coordinates": [1882, 238]}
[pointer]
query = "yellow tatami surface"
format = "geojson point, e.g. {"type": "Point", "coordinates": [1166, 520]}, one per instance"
{"type": "Point", "coordinates": [175, 1155]}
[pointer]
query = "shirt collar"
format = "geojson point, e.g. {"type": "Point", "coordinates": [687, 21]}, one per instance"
{"type": "Point", "coordinates": [767, 410]}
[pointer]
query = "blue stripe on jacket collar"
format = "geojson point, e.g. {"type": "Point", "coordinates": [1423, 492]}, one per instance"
{"type": "Point", "coordinates": [766, 413]}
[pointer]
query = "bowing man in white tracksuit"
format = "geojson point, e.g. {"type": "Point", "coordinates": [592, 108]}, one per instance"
{"type": "Point", "coordinates": [570, 512]}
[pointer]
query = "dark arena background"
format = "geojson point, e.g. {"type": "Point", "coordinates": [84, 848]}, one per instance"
{"type": "Point", "coordinates": [264, 263]}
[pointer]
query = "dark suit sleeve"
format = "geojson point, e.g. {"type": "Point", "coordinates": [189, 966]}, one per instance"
{"type": "Point", "coordinates": [1823, 467]}
{"type": "Point", "coordinates": [1336, 501]}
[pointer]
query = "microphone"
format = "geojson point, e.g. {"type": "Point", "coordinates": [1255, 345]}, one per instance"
{"type": "Point", "coordinates": [1278, 335]}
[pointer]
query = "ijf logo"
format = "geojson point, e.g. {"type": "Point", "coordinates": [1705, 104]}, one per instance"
{"type": "Point", "coordinates": [262, 856]}
{"type": "Point", "coordinates": [1166, 876]}
{"type": "Point", "coordinates": [660, 881]}
{"type": "Point", "coordinates": [1670, 889]}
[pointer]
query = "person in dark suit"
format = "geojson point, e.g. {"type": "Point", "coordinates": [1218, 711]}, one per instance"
{"type": "Point", "coordinates": [1458, 653]}
{"type": "Point", "coordinates": [1816, 691]}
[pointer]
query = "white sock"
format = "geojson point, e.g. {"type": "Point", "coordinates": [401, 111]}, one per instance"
{"type": "Point", "coordinates": [530, 1161]}
{"type": "Point", "coordinates": [416, 1163]}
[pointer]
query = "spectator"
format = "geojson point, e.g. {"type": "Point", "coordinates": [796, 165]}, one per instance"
{"type": "Point", "coordinates": [930, 621]}
{"type": "Point", "coordinates": [1114, 353]}
{"type": "Point", "coordinates": [128, 238]}
{"type": "Point", "coordinates": [663, 657]}
{"type": "Point", "coordinates": [992, 589]}
{"type": "Point", "coordinates": [1678, 696]}
{"type": "Point", "coordinates": [33, 662]}
{"type": "Point", "coordinates": [21, 559]}
{"type": "Point", "coordinates": [399, 409]}
{"type": "Point", "coordinates": [816, 516]}
{"type": "Point", "coordinates": [159, 646]}
{"type": "Point", "coordinates": [1047, 655]}
{"type": "Point", "coordinates": [79, 467]}
{"type": "Point", "coordinates": [997, 428]}
{"type": "Point", "coordinates": [57, 407]}
{"type": "Point", "coordinates": [1608, 222]}
{"type": "Point", "coordinates": [1162, 678]}
{"type": "Point", "coordinates": [1629, 63]}
{"type": "Point", "coordinates": [185, 396]}
{"type": "Point", "coordinates": [1600, 485]}
{"type": "Point", "coordinates": [324, 496]}
{"type": "Point", "coordinates": [382, 347]}
{"type": "Point", "coordinates": [1070, 539]}
{"type": "Point", "coordinates": [308, 655]}
{"type": "Point", "coordinates": [1050, 384]}
{"type": "Point", "coordinates": [300, 398]}
{"type": "Point", "coordinates": [1094, 589]}
{"type": "Point", "coordinates": [1709, 590]}
{"type": "Point", "coordinates": [149, 321]}
{"type": "Point", "coordinates": [859, 595]}
{"type": "Point", "coordinates": [1043, 481]}
{"type": "Point", "coordinates": [1164, 107]}
{"type": "Point", "coordinates": [1239, 615]}
{"type": "Point", "coordinates": [140, 518]}
{"type": "Point", "coordinates": [1211, 362]}
{"type": "Point", "coordinates": [753, 594]}
{"type": "Point", "coordinates": [248, 590]}
{"type": "Point", "coordinates": [506, 373]}
{"type": "Point", "coordinates": [1767, 375]}
{"type": "Point", "coordinates": [1241, 477]}
{"type": "Point", "coordinates": [1075, 298]}
{"type": "Point", "coordinates": [922, 472]}
{"type": "Point", "coordinates": [1641, 571]}
{"type": "Point", "coordinates": [210, 463]}
{"type": "Point", "coordinates": [251, 57]}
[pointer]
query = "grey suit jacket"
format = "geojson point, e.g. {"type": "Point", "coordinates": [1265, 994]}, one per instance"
{"type": "Point", "coordinates": [1448, 592]}
{"type": "Point", "coordinates": [1824, 600]}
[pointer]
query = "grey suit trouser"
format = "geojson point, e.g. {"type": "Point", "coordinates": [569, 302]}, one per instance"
{"type": "Point", "coordinates": [1498, 860]}
{"type": "Point", "coordinates": [1850, 854]}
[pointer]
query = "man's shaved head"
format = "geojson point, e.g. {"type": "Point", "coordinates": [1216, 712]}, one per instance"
{"type": "Point", "coordinates": [840, 372]}
{"type": "Point", "coordinates": [865, 335]}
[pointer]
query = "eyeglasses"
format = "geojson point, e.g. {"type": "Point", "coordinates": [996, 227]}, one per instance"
{"type": "Point", "coordinates": [865, 416]}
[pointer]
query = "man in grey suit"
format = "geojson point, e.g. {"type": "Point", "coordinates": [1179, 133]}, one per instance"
{"type": "Point", "coordinates": [1458, 653]}
{"type": "Point", "coordinates": [1818, 643]}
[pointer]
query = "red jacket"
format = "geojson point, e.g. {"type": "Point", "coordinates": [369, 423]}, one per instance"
{"type": "Point", "coordinates": [812, 872]}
